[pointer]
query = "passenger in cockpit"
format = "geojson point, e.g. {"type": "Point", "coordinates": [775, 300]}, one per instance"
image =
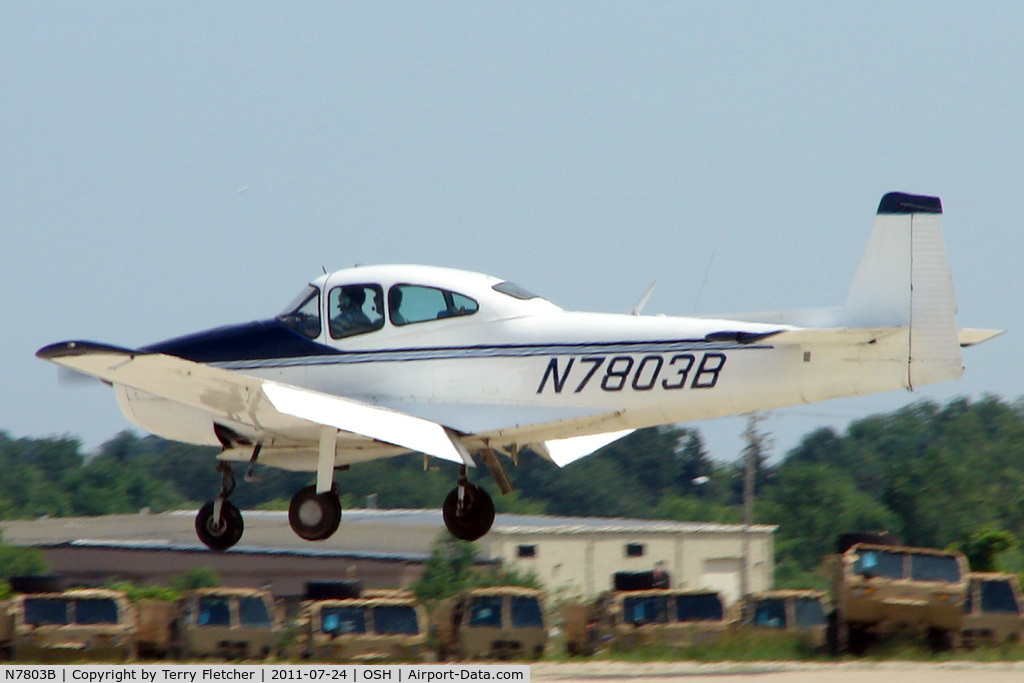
{"type": "Point", "coordinates": [350, 318]}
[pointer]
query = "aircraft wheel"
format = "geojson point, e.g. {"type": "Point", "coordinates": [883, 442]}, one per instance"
{"type": "Point", "coordinates": [475, 518]}
{"type": "Point", "coordinates": [314, 516]}
{"type": "Point", "coordinates": [223, 533]}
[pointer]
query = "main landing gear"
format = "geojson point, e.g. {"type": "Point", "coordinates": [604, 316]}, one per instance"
{"type": "Point", "coordinates": [468, 510]}
{"type": "Point", "coordinates": [315, 516]}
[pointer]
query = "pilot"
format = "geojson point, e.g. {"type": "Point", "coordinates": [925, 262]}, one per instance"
{"type": "Point", "coordinates": [350, 319]}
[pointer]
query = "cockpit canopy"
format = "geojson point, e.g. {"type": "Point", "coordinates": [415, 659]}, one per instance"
{"type": "Point", "coordinates": [354, 308]}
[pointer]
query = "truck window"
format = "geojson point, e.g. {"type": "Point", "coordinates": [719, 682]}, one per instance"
{"type": "Point", "coordinates": [770, 613]}
{"type": "Point", "coordinates": [934, 568]}
{"type": "Point", "coordinates": [95, 611]}
{"type": "Point", "coordinates": [40, 611]}
{"type": "Point", "coordinates": [485, 610]}
{"type": "Point", "coordinates": [997, 598]}
{"type": "Point", "coordinates": [882, 563]}
{"type": "Point", "coordinates": [214, 611]}
{"type": "Point", "coordinates": [395, 619]}
{"type": "Point", "coordinates": [808, 612]}
{"type": "Point", "coordinates": [338, 620]}
{"type": "Point", "coordinates": [252, 612]}
{"type": "Point", "coordinates": [706, 607]}
{"type": "Point", "coordinates": [645, 610]}
{"type": "Point", "coordinates": [526, 612]}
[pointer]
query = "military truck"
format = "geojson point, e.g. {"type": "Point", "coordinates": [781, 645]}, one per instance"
{"type": "Point", "coordinates": [501, 622]}
{"type": "Point", "coordinates": [225, 623]}
{"type": "Point", "coordinates": [992, 610]}
{"type": "Point", "coordinates": [376, 626]}
{"type": "Point", "coordinates": [879, 589]}
{"type": "Point", "coordinates": [79, 624]}
{"type": "Point", "coordinates": [798, 611]}
{"type": "Point", "coordinates": [642, 609]}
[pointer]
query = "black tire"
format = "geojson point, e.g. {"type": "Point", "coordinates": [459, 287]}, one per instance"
{"type": "Point", "coordinates": [476, 518]}
{"type": "Point", "coordinates": [219, 536]}
{"type": "Point", "coordinates": [314, 516]}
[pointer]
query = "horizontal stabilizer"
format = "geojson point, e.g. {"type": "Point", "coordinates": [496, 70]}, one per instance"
{"type": "Point", "coordinates": [975, 337]}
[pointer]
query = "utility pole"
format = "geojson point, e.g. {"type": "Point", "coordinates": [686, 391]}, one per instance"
{"type": "Point", "coordinates": [757, 446]}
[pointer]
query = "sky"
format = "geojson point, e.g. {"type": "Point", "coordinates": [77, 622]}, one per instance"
{"type": "Point", "coordinates": [171, 167]}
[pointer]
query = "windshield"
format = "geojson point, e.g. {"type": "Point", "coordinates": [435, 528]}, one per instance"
{"type": "Point", "coordinates": [997, 598]}
{"type": "Point", "coordinates": [526, 612]}
{"type": "Point", "coordinates": [395, 619]}
{"type": "Point", "coordinates": [214, 610]}
{"type": "Point", "coordinates": [705, 607]}
{"type": "Point", "coordinates": [485, 611]}
{"type": "Point", "coordinates": [645, 610]}
{"type": "Point", "coordinates": [336, 620]}
{"type": "Point", "coordinates": [882, 563]}
{"type": "Point", "coordinates": [39, 611]}
{"type": "Point", "coordinates": [770, 613]}
{"type": "Point", "coordinates": [934, 568]}
{"type": "Point", "coordinates": [252, 611]}
{"type": "Point", "coordinates": [808, 612]}
{"type": "Point", "coordinates": [95, 611]}
{"type": "Point", "coordinates": [303, 314]}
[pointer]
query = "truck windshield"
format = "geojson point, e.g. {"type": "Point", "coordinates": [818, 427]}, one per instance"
{"type": "Point", "coordinates": [882, 563]}
{"type": "Point", "coordinates": [706, 607]}
{"type": "Point", "coordinates": [252, 612]}
{"type": "Point", "coordinates": [934, 568]}
{"type": "Point", "coordinates": [395, 619]}
{"type": "Point", "coordinates": [997, 598]}
{"type": "Point", "coordinates": [645, 610]}
{"type": "Point", "coordinates": [808, 612]}
{"type": "Point", "coordinates": [214, 611]}
{"type": "Point", "coordinates": [770, 613]}
{"type": "Point", "coordinates": [336, 620]}
{"type": "Point", "coordinates": [95, 611]}
{"type": "Point", "coordinates": [485, 610]}
{"type": "Point", "coordinates": [526, 612]}
{"type": "Point", "coordinates": [40, 611]}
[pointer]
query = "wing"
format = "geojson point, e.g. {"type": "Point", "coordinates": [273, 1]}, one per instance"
{"type": "Point", "coordinates": [274, 411]}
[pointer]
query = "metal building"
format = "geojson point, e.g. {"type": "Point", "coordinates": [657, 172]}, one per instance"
{"type": "Point", "coordinates": [572, 556]}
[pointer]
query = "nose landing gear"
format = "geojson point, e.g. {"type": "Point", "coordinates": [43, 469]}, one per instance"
{"type": "Point", "coordinates": [219, 524]}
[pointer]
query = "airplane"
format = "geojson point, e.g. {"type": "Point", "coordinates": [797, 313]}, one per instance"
{"type": "Point", "coordinates": [376, 361]}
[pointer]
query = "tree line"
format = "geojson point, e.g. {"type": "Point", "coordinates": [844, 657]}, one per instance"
{"type": "Point", "coordinates": [934, 475]}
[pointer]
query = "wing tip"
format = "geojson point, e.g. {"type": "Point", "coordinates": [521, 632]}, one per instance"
{"type": "Point", "coordinates": [79, 348]}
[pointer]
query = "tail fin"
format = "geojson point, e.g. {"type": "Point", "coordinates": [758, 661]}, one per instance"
{"type": "Point", "coordinates": [903, 280]}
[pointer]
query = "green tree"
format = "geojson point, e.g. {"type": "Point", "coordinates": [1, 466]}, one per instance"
{"type": "Point", "coordinates": [984, 546]}
{"type": "Point", "coordinates": [197, 577]}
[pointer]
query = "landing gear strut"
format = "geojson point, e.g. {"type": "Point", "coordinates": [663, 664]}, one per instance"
{"type": "Point", "coordinates": [468, 510]}
{"type": "Point", "coordinates": [315, 516]}
{"type": "Point", "coordinates": [219, 523]}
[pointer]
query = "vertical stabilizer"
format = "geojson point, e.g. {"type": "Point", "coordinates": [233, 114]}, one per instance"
{"type": "Point", "coordinates": [903, 280]}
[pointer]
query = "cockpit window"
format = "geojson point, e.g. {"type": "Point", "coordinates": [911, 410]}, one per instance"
{"type": "Point", "coordinates": [514, 290]}
{"type": "Point", "coordinates": [408, 304]}
{"type": "Point", "coordinates": [303, 313]}
{"type": "Point", "coordinates": [355, 309]}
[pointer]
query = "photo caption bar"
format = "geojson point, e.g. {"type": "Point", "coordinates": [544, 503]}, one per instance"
{"type": "Point", "coordinates": [262, 673]}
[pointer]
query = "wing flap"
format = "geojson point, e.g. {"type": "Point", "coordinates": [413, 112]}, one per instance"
{"type": "Point", "coordinates": [265, 405]}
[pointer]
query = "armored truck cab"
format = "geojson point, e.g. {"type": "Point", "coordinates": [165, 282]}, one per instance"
{"type": "Point", "coordinates": [992, 610]}
{"type": "Point", "coordinates": [503, 622]}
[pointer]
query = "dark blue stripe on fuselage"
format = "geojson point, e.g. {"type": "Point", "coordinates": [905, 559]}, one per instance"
{"type": "Point", "coordinates": [268, 343]}
{"type": "Point", "coordinates": [259, 340]}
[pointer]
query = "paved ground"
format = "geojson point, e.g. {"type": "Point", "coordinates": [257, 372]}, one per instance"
{"type": "Point", "coordinates": [779, 672]}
